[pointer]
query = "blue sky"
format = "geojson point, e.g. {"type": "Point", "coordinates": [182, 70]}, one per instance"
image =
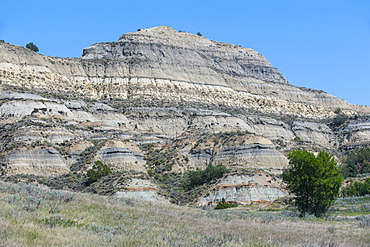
{"type": "Point", "coordinates": [319, 44]}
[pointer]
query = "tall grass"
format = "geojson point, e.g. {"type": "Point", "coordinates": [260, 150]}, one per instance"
{"type": "Point", "coordinates": [91, 220]}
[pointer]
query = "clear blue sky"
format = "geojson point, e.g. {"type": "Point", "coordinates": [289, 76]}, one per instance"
{"type": "Point", "coordinates": [319, 44]}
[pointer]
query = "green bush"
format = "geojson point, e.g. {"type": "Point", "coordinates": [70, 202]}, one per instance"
{"type": "Point", "coordinates": [32, 47]}
{"type": "Point", "coordinates": [297, 139]}
{"type": "Point", "coordinates": [357, 188]}
{"type": "Point", "coordinates": [223, 204]}
{"type": "Point", "coordinates": [198, 177]}
{"type": "Point", "coordinates": [98, 171]}
{"type": "Point", "coordinates": [339, 120]}
{"type": "Point", "coordinates": [338, 110]}
{"type": "Point", "coordinates": [350, 169]}
{"type": "Point", "coordinates": [358, 162]}
{"type": "Point", "coordinates": [158, 161]}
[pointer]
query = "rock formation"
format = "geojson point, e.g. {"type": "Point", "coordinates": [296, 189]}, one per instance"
{"type": "Point", "coordinates": [122, 156]}
{"type": "Point", "coordinates": [164, 64]}
{"type": "Point", "coordinates": [36, 161]}
{"type": "Point", "coordinates": [141, 190]}
{"type": "Point", "coordinates": [165, 101]}
{"type": "Point", "coordinates": [258, 187]}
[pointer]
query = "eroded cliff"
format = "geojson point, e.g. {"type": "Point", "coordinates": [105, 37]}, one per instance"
{"type": "Point", "coordinates": [166, 65]}
{"type": "Point", "coordinates": [165, 101]}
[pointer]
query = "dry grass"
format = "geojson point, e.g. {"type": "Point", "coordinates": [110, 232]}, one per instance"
{"type": "Point", "coordinates": [89, 220]}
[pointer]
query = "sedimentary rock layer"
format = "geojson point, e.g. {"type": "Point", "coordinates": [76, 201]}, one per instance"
{"type": "Point", "coordinates": [162, 101]}
{"type": "Point", "coordinates": [164, 64]}
{"type": "Point", "coordinates": [257, 187]}
{"type": "Point", "coordinates": [36, 161]}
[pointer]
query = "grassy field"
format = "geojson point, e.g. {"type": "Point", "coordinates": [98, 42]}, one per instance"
{"type": "Point", "coordinates": [34, 216]}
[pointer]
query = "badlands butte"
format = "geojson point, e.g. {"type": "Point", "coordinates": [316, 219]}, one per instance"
{"type": "Point", "coordinates": [157, 103]}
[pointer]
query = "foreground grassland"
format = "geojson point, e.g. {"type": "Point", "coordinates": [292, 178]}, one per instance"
{"type": "Point", "coordinates": [33, 216]}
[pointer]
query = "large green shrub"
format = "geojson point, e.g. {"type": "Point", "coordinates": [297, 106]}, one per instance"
{"type": "Point", "coordinates": [198, 177]}
{"type": "Point", "coordinates": [339, 120]}
{"type": "Point", "coordinates": [315, 181]}
{"type": "Point", "coordinates": [98, 171]}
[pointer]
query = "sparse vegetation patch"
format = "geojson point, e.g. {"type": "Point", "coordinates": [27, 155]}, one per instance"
{"type": "Point", "coordinates": [90, 220]}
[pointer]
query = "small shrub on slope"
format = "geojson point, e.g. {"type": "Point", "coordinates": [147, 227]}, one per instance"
{"type": "Point", "coordinates": [98, 171]}
{"type": "Point", "coordinates": [223, 204]}
{"type": "Point", "coordinates": [199, 177]}
{"type": "Point", "coordinates": [357, 188]}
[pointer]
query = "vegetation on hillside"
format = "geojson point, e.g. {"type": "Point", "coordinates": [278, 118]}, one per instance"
{"type": "Point", "coordinates": [198, 177]}
{"type": "Point", "coordinates": [338, 120]}
{"type": "Point", "coordinates": [180, 188]}
{"type": "Point", "coordinates": [185, 188]}
{"type": "Point", "coordinates": [357, 163]}
{"type": "Point", "coordinates": [357, 188]}
{"type": "Point", "coordinates": [35, 216]}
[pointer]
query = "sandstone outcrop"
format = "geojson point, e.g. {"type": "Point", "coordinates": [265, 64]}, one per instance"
{"type": "Point", "coordinates": [258, 187]}
{"type": "Point", "coordinates": [356, 132]}
{"type": "Point", "coordinates": [252, 141]}
{"type": "Point", "coordinates": [141, 190]}
{"type": "Point", "coordinates": [235, 151]}
{"type": "Point", "coordinates": [122, 156]}
{"type": "Point", "coordinates": [38, 161]}
{"type": "Point", "coordinates": [314, 132]}
{"type": "Point", "coordinates": [270, 128]}
{"type": "Point", "coordinates": [40, 134]}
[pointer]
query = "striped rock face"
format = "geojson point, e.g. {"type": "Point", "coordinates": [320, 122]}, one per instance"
{"type": "Point", "coordinates": [35, 161]}
{"type": "Point", "coordinates": [258, 187]}
{"type": "Point", "coordinates": [122, 156]}
{"type": "Point", "coordinates": [162, 101]}
{"type": "Point", "coordinates": [141, 190]}
{"type": "Point", "coordinates": [163, 64]}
